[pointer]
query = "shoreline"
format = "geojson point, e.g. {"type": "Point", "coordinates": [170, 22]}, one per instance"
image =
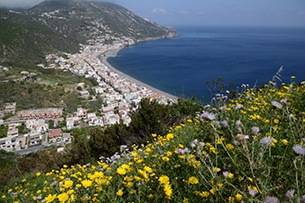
{"type": "Point", "coordinates": [113, 53]}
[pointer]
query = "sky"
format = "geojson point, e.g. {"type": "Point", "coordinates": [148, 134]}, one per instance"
{"type": "Point", "coordinates": [273, 13]}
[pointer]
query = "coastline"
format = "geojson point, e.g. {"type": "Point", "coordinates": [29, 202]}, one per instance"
{"type": "Point", "coordinates": [113, 53]}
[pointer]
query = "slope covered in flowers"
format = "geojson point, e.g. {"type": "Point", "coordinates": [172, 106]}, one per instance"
{"type": "Point", "coordinates": [250, 149]}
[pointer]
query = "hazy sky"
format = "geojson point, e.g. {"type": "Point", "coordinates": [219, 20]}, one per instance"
{"type": "Point", "coordinates": [210, 12]}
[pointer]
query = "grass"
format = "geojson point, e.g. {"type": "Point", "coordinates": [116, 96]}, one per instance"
{"type": "Point", "coordinates": [250, 149]}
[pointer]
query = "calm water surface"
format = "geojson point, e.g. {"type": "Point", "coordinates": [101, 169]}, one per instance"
{"type": "Point", "coordinates": [182, 65]}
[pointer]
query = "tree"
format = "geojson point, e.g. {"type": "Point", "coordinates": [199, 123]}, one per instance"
{"type": "Point", "coordinates": [21, 128]}
{"type": "Point", "coordinates": [3, 130]}
{"type": "Point", "coordinates": [80, 150]}
{"type": "Point", "coordinates": [104, 142]}
{"type": "Point", "coordinates": [151, 117]}
{"type": "Point", "coordinates": [51, 124]}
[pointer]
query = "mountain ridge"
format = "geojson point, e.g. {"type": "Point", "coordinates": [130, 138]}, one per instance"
{"type": "Point", "coordinates": [62, 25]}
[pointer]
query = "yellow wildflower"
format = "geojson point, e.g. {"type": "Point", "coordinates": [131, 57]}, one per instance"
{"type": "Point", "coordinates": [148, 169]}
{"type": "Point", "coordinates": [130, 184]}
{"type": "Point", "coordinates": [68, 183]}
{"type": "Point", "coordinates": [177, 165]}
{"type": "Point", "coordinates": [267, 121]}
{"type": "Point", "coordinates": [164, 179]}
{"type": "Point", "coordinates": [168, 191]}
{"type": "Point", "coordinates": [86, 183]}
{"type": "Point", "coordinates": [185, 200]}
{"type": "Point", "coordinates": [238, 197]}
{"type": "Point", "coordinates": [204, 194]}
{"type": "Point", "coordinates": [230, 175]}
{"type": "Point", "coordinates": [63, 197]}
{"type": "Point", "coordinates": [284, 141]}
{"type": "Point", "coordinates": [50, 198]}
{"type": "Point", "coordinates": [121, 171]}
{"type": "Point", "coordinates": [193, 180]}
{"type": "Point", "coordinates": [231, 199]}
{"type": "Point", "coordinates": [229, 146]}
{"type": "Point", "coordinates": [212, 191]}
{"type": "Point", "coordinates": [216, 169]}
{"type": "Point", "coordinates": [134, 154]}
{"type": "Point", "coordinates": [119, 193]}
{"type": "Point", "coordinates": [169, 136]}
{"type": "Point", "coordinates": [219, 185]}
{"type": "Point", "coordinates": [178, 127]}
{"type": "Point", "coordinates": [213, 150]}
{"type": "Point", "coordinates": [168, 153]}
{"type": "Point", "coordinates": [165, 158]}
{"type": "Point", "coordinates": [274, 141]}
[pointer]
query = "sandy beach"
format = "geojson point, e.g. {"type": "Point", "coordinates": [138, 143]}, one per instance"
{"type": "Point", "coordinates": [112, 53]}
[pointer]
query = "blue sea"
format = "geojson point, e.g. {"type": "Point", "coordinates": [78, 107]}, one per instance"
{"type": "Point", "coordinates": [182, 65]}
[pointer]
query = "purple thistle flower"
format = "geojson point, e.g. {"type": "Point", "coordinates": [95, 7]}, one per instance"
{"type": "Point", "coordinates": [266, 141]}
{"type": "Point", "coordinates": [193, 145]}
{"type": "Point", "coordinates": [299, 149]}
{"type": "Point", "coordinates": [255, 129]}
{"type": "Point", "coordinates": [270, 199]}
{"type": "Point", "coordinates": [289, 194]}
{"type": "Point", "coordinates": [207, 115]}
{"type": "Point", "coordinates": [284, 101]}
{"type": "Point", "coordinates": [201, 144]}
{"type": "Point", "coordinates": [238, 123]}
{"type": "Point", "coordinates": [224, 123]}
{"type": "Point", "coordinates": [54, 183]}
{"type": "Point", "coordinates": [277, 104]}
{"type": "Point", "coordinates": [38, 197]}
{"type": "Point", "coordinates": [252, 192]}
{"type": "Point", "coordinates": [183, 151]}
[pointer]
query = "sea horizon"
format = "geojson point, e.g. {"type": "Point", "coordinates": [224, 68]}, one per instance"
{"type": "Point", "coordinates": [241, 55]}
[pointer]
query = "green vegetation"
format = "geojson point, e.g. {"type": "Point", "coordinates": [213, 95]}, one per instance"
{"type": "Point", "coordinates": [250, 149]}
{"type": "Point", "coordinates": [26, 44]}
{"type": "Point", "coordinates": [45, 89]}
{"type": "Point", "coordinates": [3, 130]}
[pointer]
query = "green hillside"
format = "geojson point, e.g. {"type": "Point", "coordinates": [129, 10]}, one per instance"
{"type": "Point", "coordinates": [25, 44]}
{"type": "Point", "coordinates": [53, 26]}
{"type": "Point", "coordinates": [250, 149]}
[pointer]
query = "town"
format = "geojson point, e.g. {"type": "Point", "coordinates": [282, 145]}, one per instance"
{"type": "Point", "coordinates": [121, 95]}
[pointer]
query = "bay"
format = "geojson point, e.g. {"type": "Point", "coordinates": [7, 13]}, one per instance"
{"type": "Point", "coordinates": [182, 65]}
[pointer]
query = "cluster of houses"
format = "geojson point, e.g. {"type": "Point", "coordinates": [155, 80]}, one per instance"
{"type": "Point", "coordinates": [37, 131]}
{"type": "Point", "coordinates": [119, 94]}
